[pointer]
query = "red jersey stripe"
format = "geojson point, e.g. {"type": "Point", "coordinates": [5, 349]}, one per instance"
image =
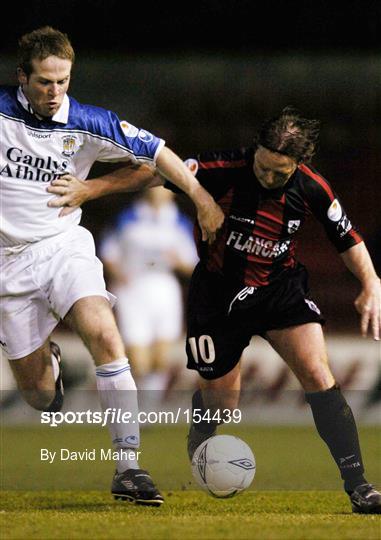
{"type": "Point", "coordinates": [222, 164]}
{"type": "Point", "coordinates": [318, 179]}
{"type": "Point", "coordinates": [268, 224]}
{"type": "Point", "coordinates": [271, 217]}
{"type": "Point", "coordinates": [356, 236]}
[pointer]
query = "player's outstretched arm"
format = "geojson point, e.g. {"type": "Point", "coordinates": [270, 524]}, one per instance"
{"type": "Point", "coordinates": [368, 303]}
{"type": "Point", "coordinates": [72, 192]}
{"type": "Point", "coordinates": [209, 214]}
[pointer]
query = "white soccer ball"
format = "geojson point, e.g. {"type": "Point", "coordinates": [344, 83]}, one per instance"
{"type": "Point", "coordinates": [223, 465]}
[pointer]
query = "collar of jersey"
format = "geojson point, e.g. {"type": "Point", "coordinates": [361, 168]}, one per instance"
{"type": "Point", "coordinates": [61, 116]}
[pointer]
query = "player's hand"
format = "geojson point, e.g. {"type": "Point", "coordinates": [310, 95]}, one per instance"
{"type": "Point", "coordinates": [368, 304]}
{"type": "Point", "coordinates": [210, 218]}
{"type": "Point", "coordinates": [71, 193]}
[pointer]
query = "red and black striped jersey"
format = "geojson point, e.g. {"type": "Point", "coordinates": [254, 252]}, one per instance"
{"type": "Point", "coordinates": [257, 242]}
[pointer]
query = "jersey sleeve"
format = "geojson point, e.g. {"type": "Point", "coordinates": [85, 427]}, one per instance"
{"type": "Point", "coordinates": [326, 206]}
{"type": "Point", "coordinates": [118, 140]}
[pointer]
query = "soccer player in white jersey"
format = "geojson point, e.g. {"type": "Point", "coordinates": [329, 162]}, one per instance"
{"type": "Point", "coordinates": [150, 244]}
{"type": "Point", "coordinates": [49, 270]}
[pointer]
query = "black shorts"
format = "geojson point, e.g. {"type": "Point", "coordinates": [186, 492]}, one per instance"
{"type": "Point", "coordinates": [221, 321]}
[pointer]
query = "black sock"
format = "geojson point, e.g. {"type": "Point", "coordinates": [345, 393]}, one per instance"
{"type": "Point", "coordinates": [336, 426]}
{"type": "Point", "coordinates": [205, 426]}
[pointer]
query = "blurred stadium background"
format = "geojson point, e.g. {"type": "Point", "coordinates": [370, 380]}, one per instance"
{"type": "Point", "coordinates": [205, 78]}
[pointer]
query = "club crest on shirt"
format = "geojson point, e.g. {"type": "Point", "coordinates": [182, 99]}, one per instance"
{"type": "Point", "coordinates": [293, 225]}
{"type": "Point", "coordinates": [69, 143]}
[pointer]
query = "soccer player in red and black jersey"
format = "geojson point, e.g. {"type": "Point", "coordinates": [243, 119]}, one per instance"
{"type": "Point", "coordinates": [248, 282]}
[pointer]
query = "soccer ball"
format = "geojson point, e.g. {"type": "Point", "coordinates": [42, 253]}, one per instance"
{"type": "Point", "coordinates": [223, 465]}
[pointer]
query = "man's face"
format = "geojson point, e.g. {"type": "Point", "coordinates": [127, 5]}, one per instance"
{"type": "Point", "coordinates": [273, 170]}
{"type": "Point", "coordinates": [47, 85]}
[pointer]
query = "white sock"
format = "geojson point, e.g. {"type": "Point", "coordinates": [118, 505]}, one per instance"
{"type": "Point", "coordinates": [117, 391]}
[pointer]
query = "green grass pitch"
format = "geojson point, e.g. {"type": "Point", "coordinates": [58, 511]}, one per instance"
{"type": "Point", "coordinates": [296, 493]}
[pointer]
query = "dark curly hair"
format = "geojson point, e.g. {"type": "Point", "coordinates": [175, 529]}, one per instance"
{"type": "Point", "coordinates": [290, 134]}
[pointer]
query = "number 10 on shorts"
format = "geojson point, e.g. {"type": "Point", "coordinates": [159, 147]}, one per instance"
{"type": "Point", "coordinates": [203, 349]}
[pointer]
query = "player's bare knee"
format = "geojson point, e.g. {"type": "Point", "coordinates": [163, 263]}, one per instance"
{"type": "Point", "coordinates": [105, 345]}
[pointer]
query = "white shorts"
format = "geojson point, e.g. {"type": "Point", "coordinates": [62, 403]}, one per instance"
{"type": "Point", "coordinates": [150, 309]}
{"type": "Point", "coordinates": [40, 285]}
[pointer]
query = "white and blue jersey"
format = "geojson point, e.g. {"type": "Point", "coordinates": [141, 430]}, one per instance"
{"type": "Point", "coordinates": [145, 238]}
{"type": "Point", "coordinates": [34, 152]}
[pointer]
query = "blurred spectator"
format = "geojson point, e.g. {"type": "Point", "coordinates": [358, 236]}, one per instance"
{"type": "Point", "coordinates": [150, 246]}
